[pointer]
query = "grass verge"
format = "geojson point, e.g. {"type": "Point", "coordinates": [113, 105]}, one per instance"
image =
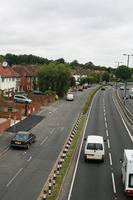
{"type": "Point", "coordinates": [65, 166]}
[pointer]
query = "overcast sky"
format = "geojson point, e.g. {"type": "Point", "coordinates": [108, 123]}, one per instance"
{"type": "Point", "coordinates": [100, 31]}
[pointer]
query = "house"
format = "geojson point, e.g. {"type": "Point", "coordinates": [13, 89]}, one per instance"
{"type": "Point", "coordinates": [8, 80]}
{"type": "Point", "coordinates": [28, 75]}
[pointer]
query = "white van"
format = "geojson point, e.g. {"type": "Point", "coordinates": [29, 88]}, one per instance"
{"type": "Point", "coordinates": [94, 148]}
{"type": "Point", "coordinates": [127, 171]}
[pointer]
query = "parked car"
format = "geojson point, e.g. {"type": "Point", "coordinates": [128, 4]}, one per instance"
{"type": "Point", "coordinates": [70, 97]}
{"type": "Point", "coordinates": [37, 92]}
{"type": "Point", "coordinates": [21, 98]}
{"type": "Point", "coordinates": [23, 139]}
{"type": "Point", "coordinates": [85, 86]}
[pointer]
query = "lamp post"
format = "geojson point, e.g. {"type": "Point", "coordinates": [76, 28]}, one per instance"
{"type": "Point", "coordinates": [118, 64]}
{"type": "Point", "coordinates": [128, 55]}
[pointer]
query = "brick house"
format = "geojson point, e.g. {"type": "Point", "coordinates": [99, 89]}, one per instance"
{"type": "Point", "coordinates": [8, 80]}
{"type": "Point", "coordinates": [28, 75]}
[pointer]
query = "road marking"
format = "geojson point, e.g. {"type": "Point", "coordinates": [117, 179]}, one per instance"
{"type": "Point", "coordinates": [113, 181]}
{"type": "Point", "coordinates": [107, 133]}
{"type": "Point", "coordinates": [110, 158]}
{"type": "Point", "coordinates": [130, 135]}
{"type": "Point", "coordinates": [29, 159]}
{"type": "Point", "coordinates": [106, 126]}
{"type": "Point", "coordinates": [14, 177]}
{"type": "Point", "coordinates": [81, 144]}
{"type": "Point", "coordinates": [44, 140]}
{"type": "Point", "coordinates": [62, 128]}
{"type": "Point", "coordinates": [53, 129]}
{"type": "Point", "coordinates": [108, 143]}
{"type": "Point", "coordinates": [2, 154]}
{"type": "Point", "coordinates": [105, 119]}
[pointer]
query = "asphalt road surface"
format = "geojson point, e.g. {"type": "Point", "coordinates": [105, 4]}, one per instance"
{"type": "Point", "coordinates": [24, 172]}
{"type": "Point", "coordinates": [102, 180]}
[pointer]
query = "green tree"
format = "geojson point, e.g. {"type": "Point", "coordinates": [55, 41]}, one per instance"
{"type": "Point", "coordinates": [123, 72]}
{"type": "Point", "coordinates": [55, 77]}
{"type": "Point", "coordinates": [106, 76]}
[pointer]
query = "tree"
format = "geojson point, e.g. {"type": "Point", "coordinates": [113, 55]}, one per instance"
{"type": "Point", "coordinates": [106, 77]}
{"type": "Point", "coordinates": [124, 73]}
{"type": "Point", "coordinates": [55, 77]}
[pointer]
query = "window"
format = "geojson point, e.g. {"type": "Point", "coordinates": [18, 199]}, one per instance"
{"type": "Point", "coordinates": [93, 146]}
{"type": "Point", "coordinates": [2, 79]}
{"type": "Point", "coordinates": [130, 181]}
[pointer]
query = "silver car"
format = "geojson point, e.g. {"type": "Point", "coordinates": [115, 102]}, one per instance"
{"type": "Point", "coordinates": [21, 98]}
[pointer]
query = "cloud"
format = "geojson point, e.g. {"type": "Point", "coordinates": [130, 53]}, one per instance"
{"type": "Point", "coordinates": [86, 30]}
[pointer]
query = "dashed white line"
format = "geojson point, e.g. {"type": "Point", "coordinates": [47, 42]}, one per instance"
{"type": "Point", "coordinates": [113, 181]}
{"type": "Point", "coordinates": [52, 131]}
{"type": "Point", "coordinates": [110, 158]}
{"type": "Point", "coordinates": [29, 158]}
{"type": "Point", "coordinates": [106, 126]}
{"type": "Point", "coordinates": [44, 140]}
{"type": "Point", "coordinates": [108, 143]}
{"type": "Point", "coordinates": [107, 133]}
{"type": "Point", "coordinates": [14, 177]}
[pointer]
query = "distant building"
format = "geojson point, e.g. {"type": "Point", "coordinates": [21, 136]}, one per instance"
{"type": "Point", "coordinates": [8, 79]}
{"type": "Point", "coordinates": [28, 74]}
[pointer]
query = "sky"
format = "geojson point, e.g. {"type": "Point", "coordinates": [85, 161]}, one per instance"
{"type": "Point", "coordinates": [100, 31]}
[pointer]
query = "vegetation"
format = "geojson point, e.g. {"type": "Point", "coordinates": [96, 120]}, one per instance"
{"type": "Point", "coordinates": [123, 73]}
{"type": "Point", "coordinates": [55, 77]}
{"type": "Point", "coordinates": [68, 159]}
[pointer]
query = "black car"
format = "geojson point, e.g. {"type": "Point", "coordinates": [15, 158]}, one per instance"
{"type": "Point", "coordinates": [23, 139]}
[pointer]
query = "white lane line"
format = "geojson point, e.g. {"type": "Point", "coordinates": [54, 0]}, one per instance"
{"type": "Point", "coordinates": [105, 119]}
{"type": "Point", "coordinates": [62, 128]}
{"type": "Point", "coordinates": [76, 166]}
{"type": "Point", "coordinates": [14, 177]}
{"type": "Point", "coordinates": [29, 158]}
{"type": "Point", "coordinates": [113, 181]}
{"type": "Point", "coordinates": [130, 135]}
{"type": "Point", "coordinates": [107, 133]}
{"type": "Point", "coordinates": [106, 126]}
{"type": "Point", "coordinates": [52, 130]}
{"type": "Point", "coordinates": [108, 143]}
{"type": "Point", "coordinates": [44, 140]}
{"type": "Point", "coordinates": [110, 158]}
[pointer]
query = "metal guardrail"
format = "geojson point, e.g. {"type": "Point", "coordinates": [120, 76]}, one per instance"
{"type": "Point", "coordinates": [126, 112]}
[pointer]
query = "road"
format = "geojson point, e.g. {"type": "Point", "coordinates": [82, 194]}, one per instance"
{"type": "Point", "coordinates": [96, 180]}
{"type": "Point", "coordinates": [24, 172]}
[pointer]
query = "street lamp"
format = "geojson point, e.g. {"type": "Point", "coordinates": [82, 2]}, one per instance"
{"type": "Point", "coordinates": [118, 63]}
{"type": "Point", "coordinates": [128, 55]}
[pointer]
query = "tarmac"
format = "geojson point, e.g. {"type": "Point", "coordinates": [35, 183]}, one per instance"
{"type": "Point", "coordinates": [24, 125]}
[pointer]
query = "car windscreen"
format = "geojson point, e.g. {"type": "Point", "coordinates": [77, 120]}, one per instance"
{"type": "Point", "coordinates": [21, 137]}
{"type": "Point", "coordinates": [94, 146]}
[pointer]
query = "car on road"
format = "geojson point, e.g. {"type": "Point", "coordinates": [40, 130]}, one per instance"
{"type": "Point", "coordinates": [69, 97]}
{"type": "Point", "coordinates": [94, 148]}
{"type": "Point", "coordinates": [21, 98]}
{"type": "Point", "coordinates": [103, 88]}
{"type": "Point", "coordinates": [23, 139]}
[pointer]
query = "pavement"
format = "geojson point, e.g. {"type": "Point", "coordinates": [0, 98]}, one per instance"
{"type": "Point", "coordinates": [24, 125]}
